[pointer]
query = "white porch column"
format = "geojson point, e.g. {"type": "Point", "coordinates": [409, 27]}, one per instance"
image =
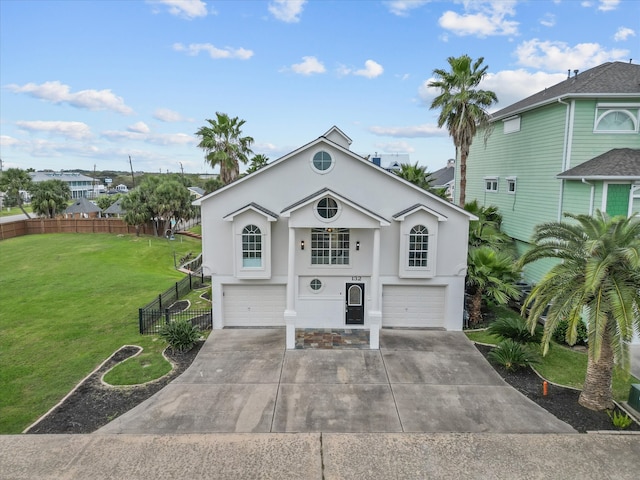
{"type": "Point", "coordinates": [290, 313]}
{"type": "Point", "coordinates": [375, 315]}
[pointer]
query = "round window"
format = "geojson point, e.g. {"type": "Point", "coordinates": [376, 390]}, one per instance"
{"type": "Point", "coordinates": [315, 284]}
{"type": "Point", "coordinates": [322, 161]}
{"type": "Point", "coordinates": [327, 207]}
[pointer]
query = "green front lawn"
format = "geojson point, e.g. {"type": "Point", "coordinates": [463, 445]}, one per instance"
{"type": "Point", "coordinates": [562, 365]}
{"type": "Point", "coordinates": [67, 302]}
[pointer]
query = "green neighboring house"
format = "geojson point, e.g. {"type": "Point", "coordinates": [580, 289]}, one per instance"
{"type": "Point", "coordinates": [573, 147]}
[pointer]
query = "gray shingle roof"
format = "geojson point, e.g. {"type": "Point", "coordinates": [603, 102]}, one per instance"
{"type": "Point", "coordinates": [82, 205]}
{"type": "Point", "coordinates": [610, 78]}
{"type": "Point", "coordinates": [443, 176]}
{"type": "Point", "coordinates": [115, 208]}
{"type": "Point", "coordinates": [617, 163]}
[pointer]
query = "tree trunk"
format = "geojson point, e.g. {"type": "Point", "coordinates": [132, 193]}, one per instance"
{"type": "Point", "coordinates": [22, 208]}
{"type": "Point", "coordinates": [463, 177]}
{"type": "Point", "coordinates": [597, 393]}
{"type": "Point", "coordinates": [475, 315]}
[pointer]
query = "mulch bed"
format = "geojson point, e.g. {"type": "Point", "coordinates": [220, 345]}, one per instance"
{"type": "Point", "coordinates": [560, 401]}
{"type": "Point", "coordinates": [95, 404]}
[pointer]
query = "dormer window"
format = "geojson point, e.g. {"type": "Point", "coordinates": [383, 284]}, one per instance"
{"type": "Point", "coordinates": [251, 247]}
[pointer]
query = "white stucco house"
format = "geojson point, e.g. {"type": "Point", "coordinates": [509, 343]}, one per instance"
{"type": "Point", "coordinates": [324, 238]}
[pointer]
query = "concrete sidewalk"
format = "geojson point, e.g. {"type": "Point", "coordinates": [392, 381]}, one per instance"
{"type": "Point", "coordinates": [245, 381]}
{"type": "Point", "coordinates": [312, 456]}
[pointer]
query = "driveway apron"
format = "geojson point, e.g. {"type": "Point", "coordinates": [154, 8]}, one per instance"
{"type": "Point", "coordinates": [244, 380]}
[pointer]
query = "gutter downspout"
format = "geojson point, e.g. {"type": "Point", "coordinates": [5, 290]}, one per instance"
{"type": "Point", "coordinates": [566, 153]}
{"type": "Point", "coordinates": [591, 197]}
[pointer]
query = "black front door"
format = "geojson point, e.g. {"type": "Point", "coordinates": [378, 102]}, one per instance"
{"type": "Point", "coordinates": [355, 304]}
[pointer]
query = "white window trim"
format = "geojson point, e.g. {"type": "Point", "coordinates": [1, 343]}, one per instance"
{"type": "Point", "coordinates": [514, 181]}
{"type": "Point", "coordinates": [313, 167]}
{"type": "Point", "coordinates": [492, 179]}
{"type": "Point", "coordinates": [617, 107]}
{"type": "Point", "coordinates": [510, 125]}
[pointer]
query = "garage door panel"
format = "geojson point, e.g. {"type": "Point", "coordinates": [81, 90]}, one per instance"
{"type": "Point", "coordinates": [253, 305]}
{"type": "Point", "coordinates": [413, 306]}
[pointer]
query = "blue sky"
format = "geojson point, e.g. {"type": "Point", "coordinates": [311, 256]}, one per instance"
{"type": "Point", "coordinates": [86, 83]}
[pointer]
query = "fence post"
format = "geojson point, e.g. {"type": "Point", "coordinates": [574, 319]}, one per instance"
{"type": "Point", "coordinates": [160, 302]}
{"type": "Point", "coordinates": [190, 285]}
{"type": "Point", "coordinates": [167, 316]}
{"type": "Point", "coordinates": [177, 292]}
{"type": "Point", "coordinates": [140, 321]}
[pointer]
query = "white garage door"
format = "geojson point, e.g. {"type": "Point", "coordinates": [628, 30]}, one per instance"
{"type": "Point", "coordinates": [413, 306]}
{"type": "Point", "coordinates": [253, 305]}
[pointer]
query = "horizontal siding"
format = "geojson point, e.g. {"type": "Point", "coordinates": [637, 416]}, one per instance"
{"type": "Point", "coordinates": [413, 306]}
{"type": "Point", "coordinates": [534, 163]}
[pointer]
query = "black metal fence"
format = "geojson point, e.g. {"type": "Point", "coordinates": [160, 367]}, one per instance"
{"type": "Point", "coordinates": [151, 321]}
{"type": "Point", "coordinates": [157, 311]}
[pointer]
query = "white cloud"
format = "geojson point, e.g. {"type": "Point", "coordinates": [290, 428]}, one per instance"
{"type": "Point", "coordinates": [482, 18]}
{"type": "Point", "coordinates": [152, 138]}
{"type": "Point", "coordinates": [558, 56]}
{"type": "Point", "coordinates": [166, 115]}
{"type": "Point", "coordinates": [549, 20]}
{"type": "Point", "coordinates": [214, 52]}
{"type": "Point", "coordinates": [288, 11]}
{"type": "Point", "coordinates": [57, 92]}
{"type": "Point", "coordinates": [402, 8]}
{"type": "Point", "coordinates": [139, 127]}
{"type": "Point", "coordinates": [395, 147]}
{"type": "Point", "coordinates": [371, 69]}
{"type": "Point", "coordinates": [184, 8]}
{"type": "Point", "coordinates": [415, 131]}
{"type": "Point", "coordinates": [607, 5]}
{"type": "Point", "coordinates": [75, 130]}
{"type": "Point", "coordinates": [309, 66]}
{"type": "Point", "coordinates": [7, 141]}
{"type": "Point", "coordinates": [623, 34]}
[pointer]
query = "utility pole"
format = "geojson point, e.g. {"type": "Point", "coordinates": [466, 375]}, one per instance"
{"type": "Point", "coordinates": [182, 170]}
{"type": "Point", "coordinates": [133, 179]}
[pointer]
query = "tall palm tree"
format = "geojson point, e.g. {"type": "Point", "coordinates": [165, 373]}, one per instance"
{"type": "Point", "coordinates": [224, 145]}
{"type": "Point", "coordinates": [50, 198]}
{"type": "Point", "coordinates": [12, 181]}
{"type": "Point", "coordinates": [462, 107]}
{"type": "Point", "coordinates": [597, 281]}
{"type": "Point", "coordinates": [487, 229]}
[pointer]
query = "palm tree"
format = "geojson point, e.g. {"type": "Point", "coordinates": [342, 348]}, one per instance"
{"type": "Point", "coordinates": [51, 197]}
{"type": "Point", "coordinates": [462, 107]}
{"type": "Point", "coordinates": [224, 145]}
{"type": "Point", "coordinates": [415, 174]}
{"type": "Point", "coordinates": [491, 274]}
{"type": "Point", "coordinates": [257, 162]}
{"type": "Point", "coordinates": [14, 180]}
{"type": "Point", "coordinates": [486, 230]}
{"type": "Point", "coordinates": [596, 281]}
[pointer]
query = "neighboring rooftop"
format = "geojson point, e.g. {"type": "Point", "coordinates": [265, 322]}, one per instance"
{"type": "Point", "coordinates": [608, 79]}
{"type": "Point", "coordinates": [64, 176]}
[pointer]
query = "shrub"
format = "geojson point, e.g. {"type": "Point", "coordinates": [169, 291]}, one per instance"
{"type": "Point", "coordinates": [620, 420]}
{"type": "Point", "coordinates": [560, 333]}
{"type": "Point", "coordinates": [516, 329]}
{"type": "Point", "coordinates": [180, 335]}
{"type": "Point", "coordinates": [512, 355]}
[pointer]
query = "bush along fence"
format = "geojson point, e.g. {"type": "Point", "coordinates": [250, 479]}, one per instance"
{"type": "Point", "coordinates": [153, 315]}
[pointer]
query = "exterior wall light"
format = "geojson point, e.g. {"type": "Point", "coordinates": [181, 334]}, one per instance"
{"type": "Point", "coordinates": [358, 245]}
{"type": "Point", "coordinates": [301, 244]}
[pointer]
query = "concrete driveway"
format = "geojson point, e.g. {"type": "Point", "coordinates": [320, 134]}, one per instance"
{"type": "Point", "coordinates": [244, 380]}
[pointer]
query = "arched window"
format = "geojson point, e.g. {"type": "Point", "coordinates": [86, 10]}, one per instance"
{"type": "Point", "coordinates": [251, 246]}
{"type": "Point", "coordinates": [418, 246]}
{"type": "Point", "coordinates": [616, 120]}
